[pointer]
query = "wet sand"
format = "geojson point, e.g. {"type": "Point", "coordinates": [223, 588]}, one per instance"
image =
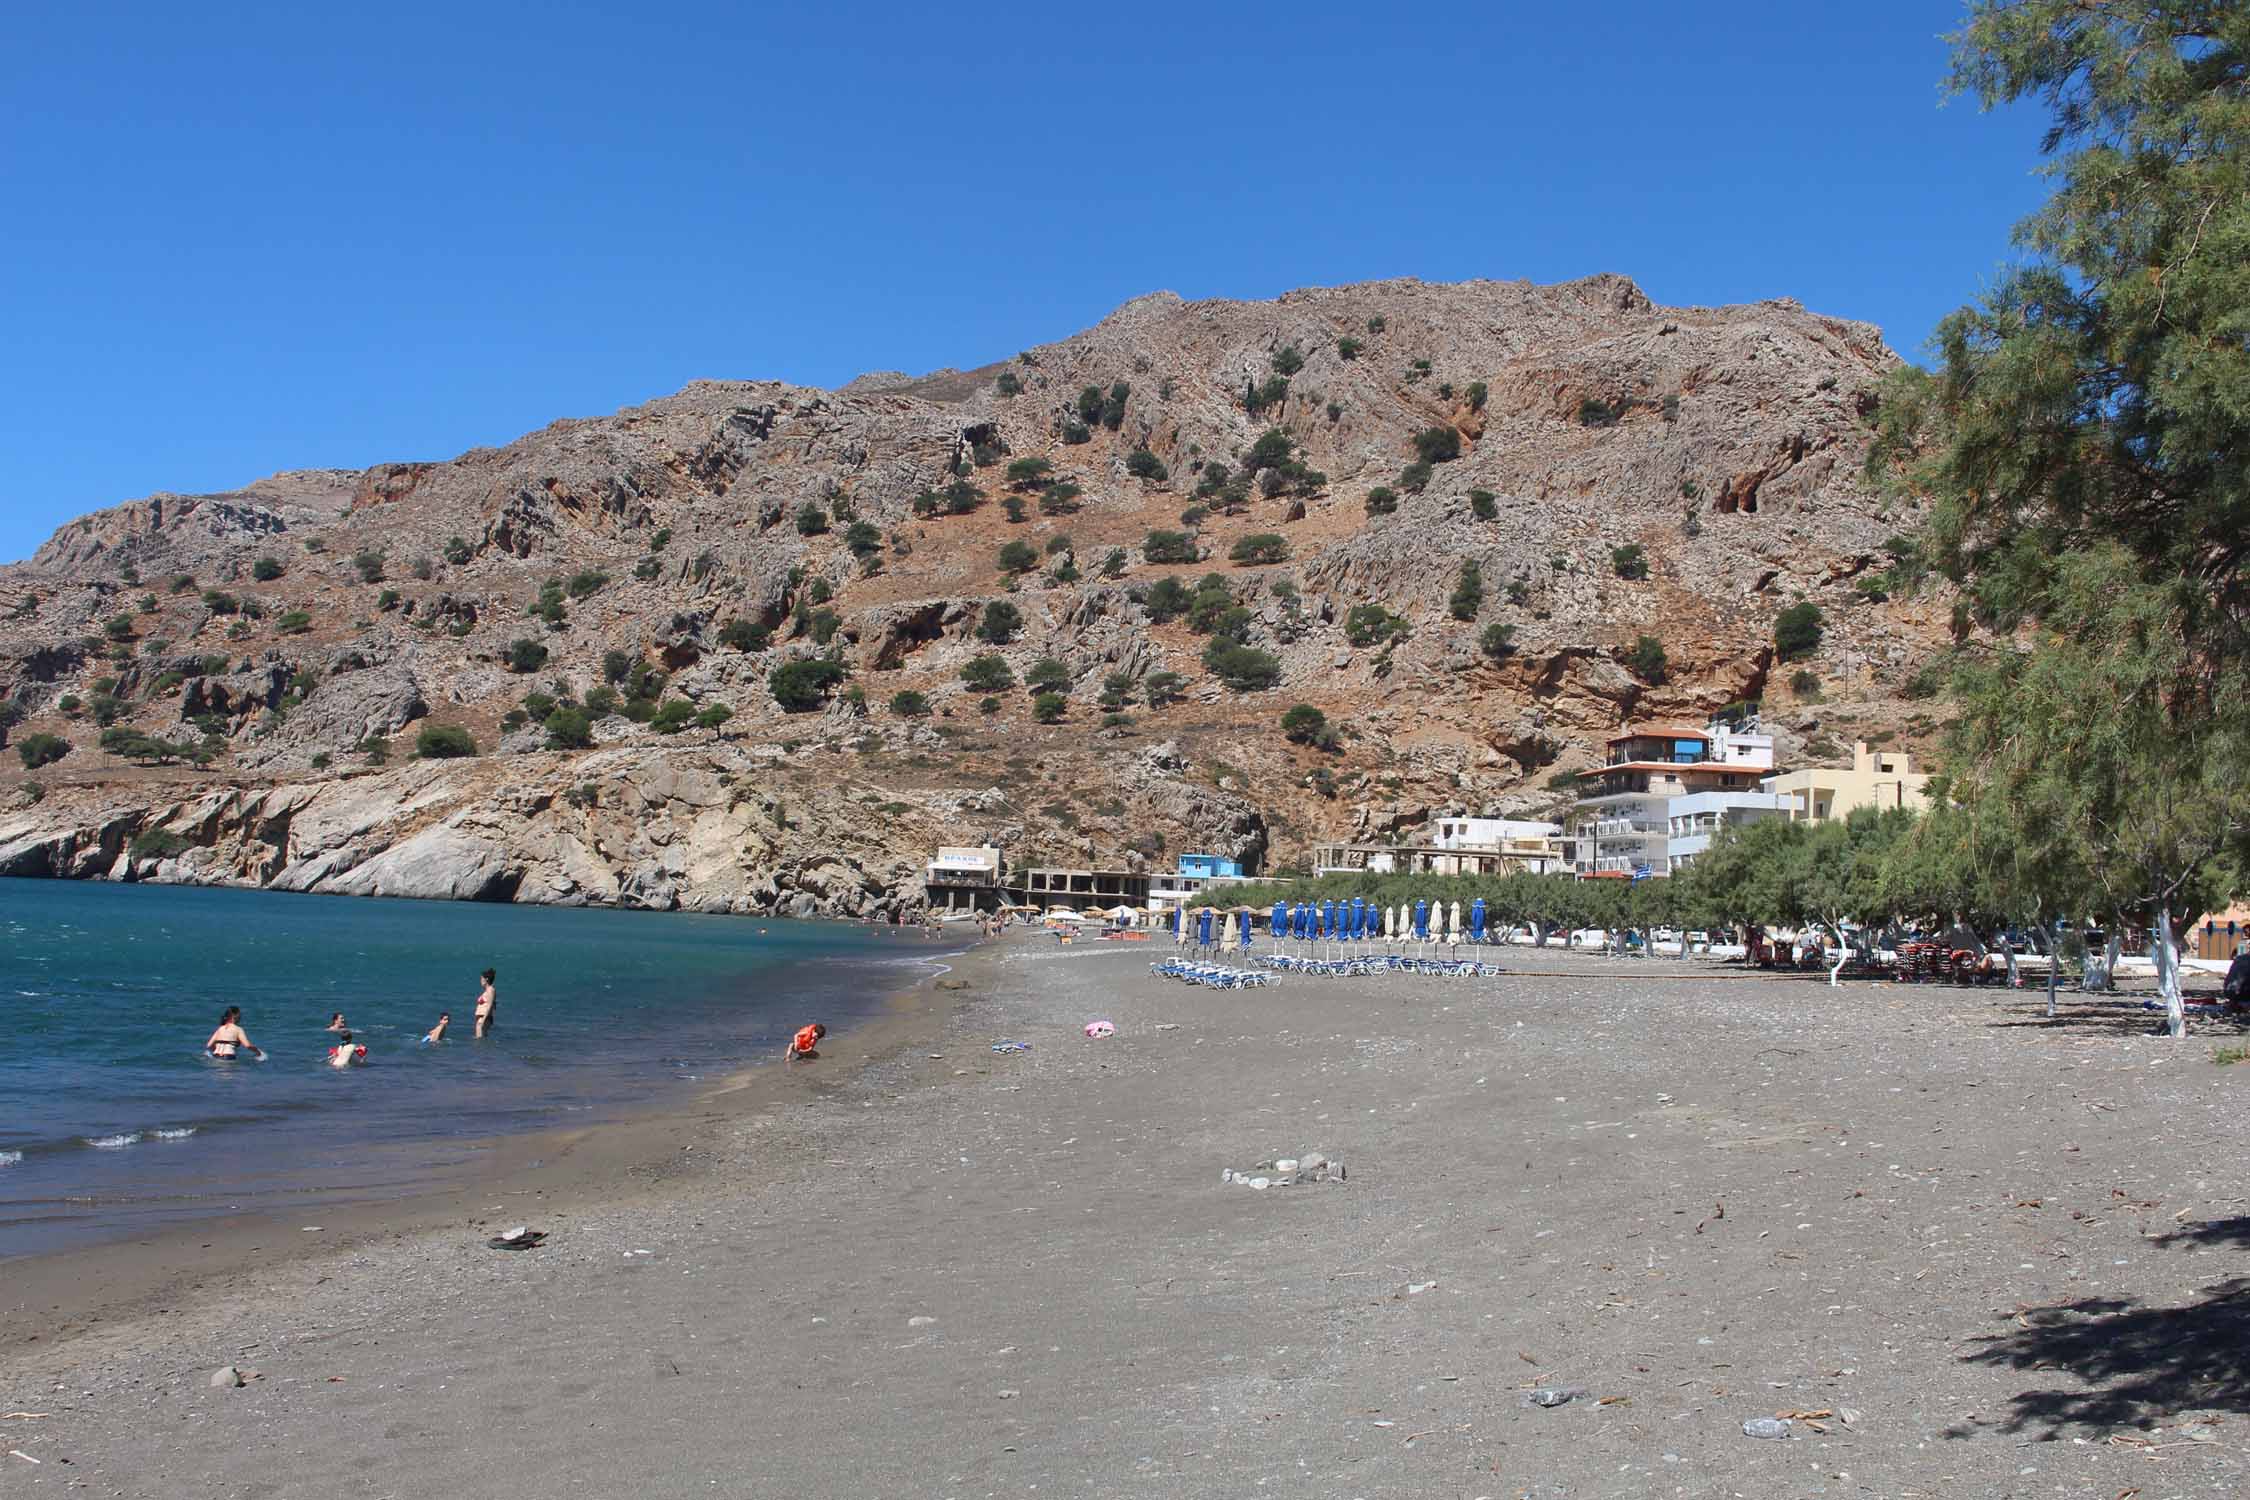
{"type": "Point", "coordinates": [2002, 1256]}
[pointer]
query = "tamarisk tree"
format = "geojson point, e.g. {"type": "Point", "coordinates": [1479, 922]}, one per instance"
{"type": "Point", "coordinates": [2084, 443]}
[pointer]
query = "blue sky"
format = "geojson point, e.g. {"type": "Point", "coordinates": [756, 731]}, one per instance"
{"type": "Point", "coordinates": [246, 238]}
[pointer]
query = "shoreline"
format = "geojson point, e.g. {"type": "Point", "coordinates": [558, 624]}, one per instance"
{"type": "Point", "coordinates": [53, 1298]}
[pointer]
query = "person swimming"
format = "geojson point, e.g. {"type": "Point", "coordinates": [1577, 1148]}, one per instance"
{"type": "Point", "coordinates": [436, 1033]}
{"type": "Point", "coordinates": [230, 1038]}
{"type": "Point", "coordinates": [345, 1054]}
{"type": "Point", "coordinates": [488, 1002]}
{"type": "Point", "coordinates": [336, 1022]}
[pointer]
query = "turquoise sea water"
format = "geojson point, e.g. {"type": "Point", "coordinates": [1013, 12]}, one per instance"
{"type": "Point", "coordinates": [112, 1120]}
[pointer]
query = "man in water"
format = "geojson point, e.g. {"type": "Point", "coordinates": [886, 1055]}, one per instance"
{"type": "Point", "coordinates": [803, 1046]}
{"type": "Point", "coordinates": [344, 1054]}
{"type": "Point", "coordinates": [230, 1037]}
{"type": "Point", "coordinates": [488, 1001]}
{"type": "Point", "coordinates": [436, 1033]}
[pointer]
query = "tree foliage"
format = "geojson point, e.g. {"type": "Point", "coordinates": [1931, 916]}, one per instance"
{"type": "Point", "coordinates": [2084, 446]}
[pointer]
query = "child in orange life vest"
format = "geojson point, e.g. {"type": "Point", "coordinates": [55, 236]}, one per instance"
{"type": "Point", "coordinates": [804, 1043]}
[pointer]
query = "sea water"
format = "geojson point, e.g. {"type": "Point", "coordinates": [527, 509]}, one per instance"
{"type": "Point", "coordinates": [113, 1121]}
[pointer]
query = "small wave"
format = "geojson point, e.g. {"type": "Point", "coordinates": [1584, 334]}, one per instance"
{"type": "Point", "coordinates": [10, 1158]}
{"type": "Point", "coordinates": [113, 1142]}
{"type": "Point", "coordinates": [180, 1134]}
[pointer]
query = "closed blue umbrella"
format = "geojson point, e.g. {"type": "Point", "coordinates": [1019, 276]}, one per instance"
{"type": "Point", "coordinates": [1476, 920]}
{"type": "Point", "coordinates": [1278, 923]}
{"type": "Point", "coordinates": [1203, 927]}
{"type": "Point", "coordinates": [1354, 918]}
{"type": "Point", "coordinates": [1245, 940]}
{"type": "Point", "coordinates": [1300, 919]}
{"type": "Point", "coordinates": [1362, 916]}
{"type": "Point", "coordinates": [1421, 921]}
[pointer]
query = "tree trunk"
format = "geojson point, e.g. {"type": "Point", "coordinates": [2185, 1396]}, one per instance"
{"type": "Point", "coordinates": [1538, 934]}
{"type": "Point", "coordinates": [1843, 955]}
{"type": "Point", "coordinates": [2008, 952]}
{"type": "Point", "coordinates": [2168, 974]}
{"type": "Point", "coordinates": [2054, 962]}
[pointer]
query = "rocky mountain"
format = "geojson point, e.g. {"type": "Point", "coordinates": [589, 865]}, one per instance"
{"type": "Point", "coordinates": [761, 601]}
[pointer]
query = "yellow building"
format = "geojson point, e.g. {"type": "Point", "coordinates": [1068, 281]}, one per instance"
{"type": "Point", "coordinates": [1876, 778]}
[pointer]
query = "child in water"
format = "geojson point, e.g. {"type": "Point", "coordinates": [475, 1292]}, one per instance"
{"type": "Point", "coordinates": [436, 1033]}
{"type": "Point", "coordinates": [344, 1054]}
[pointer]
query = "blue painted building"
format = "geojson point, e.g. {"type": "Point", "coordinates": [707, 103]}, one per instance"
{"type": "Point", "coordinates": [1210, 865]}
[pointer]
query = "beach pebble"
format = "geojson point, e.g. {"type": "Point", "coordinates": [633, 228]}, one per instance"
{"type": "Point", "coordinates": [1261, 1183]}
{"type": "Point", "coordinates": [1286, 1164]}
{"type": "Point", "coordinates": [226, 1376]}
{"type": "Point", "coordinates": [1311, 1161]}
{"type": "Point", "coordinates": [1417, 1288]}
{"type": "Point", "coordinates": [919, 1321]}
{"type": "Point", "coordinates": [1766, 1427]}
{"type": "Point", "coordinates": [1226, 1174]}
{"type": "Point", "coordinates": [1552, 1395]}
{"type": "Point", "coordinates": [1007, 1395]}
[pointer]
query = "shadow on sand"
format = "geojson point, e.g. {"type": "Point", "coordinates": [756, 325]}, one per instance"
{"type": "Point", "coordinates": [2137, 1361]}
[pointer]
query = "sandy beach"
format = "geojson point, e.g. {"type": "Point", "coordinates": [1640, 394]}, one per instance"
{"type": "Point", "coordinates": [1978, 1254]}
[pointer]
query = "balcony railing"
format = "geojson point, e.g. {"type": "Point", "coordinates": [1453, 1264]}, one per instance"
{"type": "Point", "coordinates": [1608, 828]}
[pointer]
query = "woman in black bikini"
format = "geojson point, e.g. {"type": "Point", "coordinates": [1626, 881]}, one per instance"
{"type": "Point", "coordinates": [230, 1038]}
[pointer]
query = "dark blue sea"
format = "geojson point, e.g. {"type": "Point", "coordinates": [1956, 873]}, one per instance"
{"type": "Point", "coordinates": [113, 1121]}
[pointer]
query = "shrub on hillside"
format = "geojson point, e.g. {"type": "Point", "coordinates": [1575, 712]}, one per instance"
{"type": "Point", "coordinates": [443, 742]}
{"type": "Point", "coordinates": [1797, 630]}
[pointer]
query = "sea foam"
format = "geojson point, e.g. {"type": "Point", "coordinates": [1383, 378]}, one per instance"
{"type": "Point", "coordinates": [113, 1142]}
{"type": "Point", "coordinates": [180, 1134]}
{"type": "Point", "coordinates": [10, 1158]}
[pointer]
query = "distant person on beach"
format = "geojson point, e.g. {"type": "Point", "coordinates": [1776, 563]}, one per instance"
{"type": "Point", "coordinates": [488, 1001]}
{"type": "Point", "coordinates": [2237, 986]}
{"type": "Point", "coordinates": [436, 1033]}
{"type": "Point", "coordinates": [805, 1044]}
{"type": "Point", "coordinates": [336, 1022]}
{"type": "Point", "coordinates": [344, 1054]}
{"type": "Point", "coordinates": [230, 1037]}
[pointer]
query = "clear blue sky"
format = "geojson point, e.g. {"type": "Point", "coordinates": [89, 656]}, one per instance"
{"type": "Point", "coordinates": [247, 237]}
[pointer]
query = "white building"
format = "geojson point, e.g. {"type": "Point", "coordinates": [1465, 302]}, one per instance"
{"type": "Point", "coordinates": [1490, 833]}
{"type": "Point", "coordinates": [963, 876]}
{"type": "Point", "coordinates": [1622, 827]}
{"type": "Point", "coordinates": [1697, 818]}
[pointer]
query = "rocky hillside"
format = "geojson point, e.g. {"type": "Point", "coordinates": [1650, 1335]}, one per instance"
{"type": "Point", "coordinates": [712, 650]}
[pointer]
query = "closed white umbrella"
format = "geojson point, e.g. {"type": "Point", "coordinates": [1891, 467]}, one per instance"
{"type": "Point", "coordinates": [1387, 929]}
{"type": "Point", "coordinates": [1179, 927]}
{"type": "Point", "coordinates": [1453, 925]}
{"type": "Point", "coordinates": [1226, 933]}
{"type": "Point", "coordinates": [1405, 923]}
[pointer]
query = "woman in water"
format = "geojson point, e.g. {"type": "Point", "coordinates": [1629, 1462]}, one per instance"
{"type": "Point", "coordinates": [336, 1022]}
{"type": "Point", "coordinates": [487, 1002]}
{"type": "Point", "coordinates": [230, 1038]}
